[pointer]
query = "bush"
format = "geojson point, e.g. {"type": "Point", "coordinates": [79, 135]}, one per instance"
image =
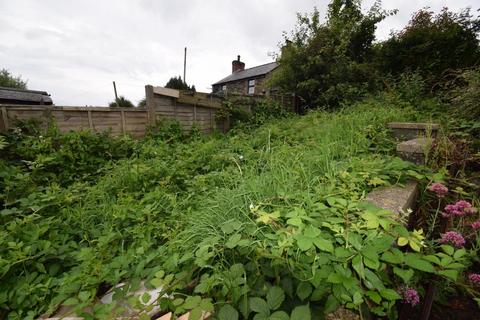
{"type": "Point", "coordinates": [121, 102]}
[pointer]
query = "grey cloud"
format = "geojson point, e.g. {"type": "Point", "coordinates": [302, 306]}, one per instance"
{"type": "Point", "coordinates": [74, 49]}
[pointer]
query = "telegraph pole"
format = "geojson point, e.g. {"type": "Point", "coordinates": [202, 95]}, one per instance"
{"type": "Point", "coordinates": [185, 66]}
{"type": "Point", "coordinates": [116, 96]}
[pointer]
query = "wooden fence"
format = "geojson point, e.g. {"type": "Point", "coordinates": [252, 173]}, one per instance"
{"type": "Point", "coordinates": [189, 110]}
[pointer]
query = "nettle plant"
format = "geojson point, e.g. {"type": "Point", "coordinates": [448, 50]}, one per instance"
{"type": "Point", "coordinates": [291, 264]}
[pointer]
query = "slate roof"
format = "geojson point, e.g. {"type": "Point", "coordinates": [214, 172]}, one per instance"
{"type": "Point", "coordinates": [249, 73]}
{"type": "Point", "coordinates": [19, 96]}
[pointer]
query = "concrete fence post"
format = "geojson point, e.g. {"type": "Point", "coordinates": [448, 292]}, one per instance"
{"type": "Point", "coordinates": [5, 118]}
{"type": "Point", "coordinates": [150, 104]}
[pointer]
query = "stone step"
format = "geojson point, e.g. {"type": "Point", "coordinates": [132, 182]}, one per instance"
{"type": "Point", "coordinates": [398, 199]}
{"type": "Point", "coordinates": [409, 130]}
{"type": "Point", "coordinates": [415, 150]}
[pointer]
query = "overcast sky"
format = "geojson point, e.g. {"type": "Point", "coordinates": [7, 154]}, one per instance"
{"type": "Point", "coordinates": [73, 49]}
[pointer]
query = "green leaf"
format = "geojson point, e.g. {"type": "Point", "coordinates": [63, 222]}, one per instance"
{"type": "Point", "coordinates": [297, 222]}
{"type": "Point", "coordinates": [71, 302]}
{"type": "Point", "coordinates": [415, 261]}
{"type": "Point", "coordinates": [304, 290]}
{"type": "Point", "coordinates": [402, 241]}
{"type": "Point", "coordinates": [301, 313]}
{"type": "Point", "coordinates": [146, 297]}
{"type": "Point", "coordinates": [331, 304]}
{"type": "Point", "coordinates": [448, 249]}
{"type": "Point", "coordinates": [233, 241]}
{"type": "Point", "coordinates": [275, 297]}
{"type": "Point", "coordinates": [392, 258]}
{"type": "Point", "coordinates": [450, 274]}
{"type": "Point", "coordinates": [459, 254]}
{"type": "Point", "coordinates": [357, 265]}
{"type": "Point", "coordinates": [227, 312]}
{"type": "Point", "coordinates": [304, 243]}
{"type": "Point", "coordinates": [323, 244]}
{"type": "Point", "coordinates": [406, 275]}
{"type": "Point", "coordinates": [195, 314]}
{"type": "Point", "coordinates": [279, 315]}
{"type": "Point", "coordinates": [374, 296]}
{"type": "Point", "coordinates": [84, 296]}
{"type": "Point", "coordinates": [259, 305]}
{"type": "Point", "coordinates": [390, 294]}
{"type": "Point", "coordinates": [192, 302]}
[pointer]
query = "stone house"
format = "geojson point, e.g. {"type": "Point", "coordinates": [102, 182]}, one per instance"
{"type": "Point", "coordinates": [243, 81]}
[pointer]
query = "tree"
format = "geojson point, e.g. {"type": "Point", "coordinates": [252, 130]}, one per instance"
{"type": "Point", "coordinates": [328, 63]}
{"type": "Point", "coordinates": [121, 102]}
{"type": "Point", "coordinates": [178, 84]}
{"type": "Point", "coordinates": [431, 45]}
{"type": "Point", "coordinates": [8, 80]}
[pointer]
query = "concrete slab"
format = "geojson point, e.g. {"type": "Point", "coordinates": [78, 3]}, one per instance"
{"type": "Point", "coordinates": [410, 130]}
{"type": "Point", "coordinates": [415, 150]}
{"type": "Point", "coordinates": [396, 199]}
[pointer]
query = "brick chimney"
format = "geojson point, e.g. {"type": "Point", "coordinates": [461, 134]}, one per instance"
{"type": "Point", "coordinates": [237, 65]}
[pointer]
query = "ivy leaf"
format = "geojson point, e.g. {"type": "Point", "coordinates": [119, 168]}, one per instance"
{"type": "Point", "coordinates": [259, 306]}
{"type": "Point", "coordinates": [301, 313]}
{"type": "Point", "coordinates": [304, 290]}
{"type": "Point", "coordinates": [227, 312]}
{"type": "Point", "coordinates": [275, 297]}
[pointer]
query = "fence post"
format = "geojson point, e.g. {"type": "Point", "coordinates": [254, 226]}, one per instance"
{"type": "Point", "coordinates": [122, 114]}
{"type": "Point", "coordinates": [90, 121]}
{"type": "Point", "coordinates": [150, 104]}
{"type": "Point", "coordinates": [5, 118]}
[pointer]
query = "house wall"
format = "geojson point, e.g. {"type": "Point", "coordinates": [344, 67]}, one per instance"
{"type": "Point", "coordinates": [241, 86]}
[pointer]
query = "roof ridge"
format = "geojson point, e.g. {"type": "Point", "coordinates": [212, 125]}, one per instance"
{"type": "Point", "coordinates": [260, 65]}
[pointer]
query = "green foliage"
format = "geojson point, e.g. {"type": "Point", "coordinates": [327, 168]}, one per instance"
{"type": "Point", "coordinates": [330, 63]}
{"type": "Point", "coordinates": [179, 84]}
{"type": "Point", "coordinates": [465, 94]}
{"type": "Point", "coordinates": [252, 112]}
{"type": "Point", "coordinates": [121, 102]}
{"type": "Point", "coordinates": [432, 45]}
{"type": "Point", "coordinates": [10, 81]}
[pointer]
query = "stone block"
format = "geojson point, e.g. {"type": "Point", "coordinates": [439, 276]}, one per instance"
{"type": "Point", "coordinates": [415, 150]}
{"type": "Point", "coordinates": [396, 199]}
{"type": "Point", "coordinates": [409, 130]}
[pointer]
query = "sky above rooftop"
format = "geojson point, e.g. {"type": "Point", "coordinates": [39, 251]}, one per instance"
{"type": "Point", "coordinates": [75, 49]}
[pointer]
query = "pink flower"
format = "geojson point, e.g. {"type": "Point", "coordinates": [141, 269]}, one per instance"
{"type": "Point", "coordinates": [409, 296]}
{"type": "Point", "coordinates": [454, 238]}
{"type": "Point", "coordinates": [474, 278]}
{"type": "Point", "coordinates": [476, 225]}
{"type": "Point", "coordinates": [458, 209]}
{"type": "Point", "coordinates": [439, 189]}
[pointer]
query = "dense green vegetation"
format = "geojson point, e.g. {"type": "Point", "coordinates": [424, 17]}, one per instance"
{"type": "Point", "coordinates": [267, 221]}
{"type": "Point", "coordinates": [266, 224]}
{"type": "Point", "coordinates": [327, 63]}
{"type": "Point", "coordinates": [11, 81]}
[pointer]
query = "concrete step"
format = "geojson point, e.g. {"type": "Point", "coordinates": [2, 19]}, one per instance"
{"type": "Point", "coordinates": [415, 150]}
{"type": "Point", "coordinates": [409, 130]}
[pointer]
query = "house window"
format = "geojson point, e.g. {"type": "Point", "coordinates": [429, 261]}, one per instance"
{"type": "Point", "coordinates": [251, 86]}
{"type": "Point", "coordinates": [224, 88]}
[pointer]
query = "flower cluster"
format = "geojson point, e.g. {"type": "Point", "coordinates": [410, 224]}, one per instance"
{"type": "Point", "coordinates": [459, 209]}
{"type": "Point", "coordinates": [439, 189]}
{"type": "Point", "coordinates": [474, 278]}
{"type": "Point", "coordinates": [476, 225]}
{"type": "Point", "coordinates": [410, 296]}
{"type": "Point", "coordinates": [453, 238]}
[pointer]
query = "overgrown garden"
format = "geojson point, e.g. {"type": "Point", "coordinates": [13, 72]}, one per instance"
{"type": "Point", "coordinates": [269, 220]}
